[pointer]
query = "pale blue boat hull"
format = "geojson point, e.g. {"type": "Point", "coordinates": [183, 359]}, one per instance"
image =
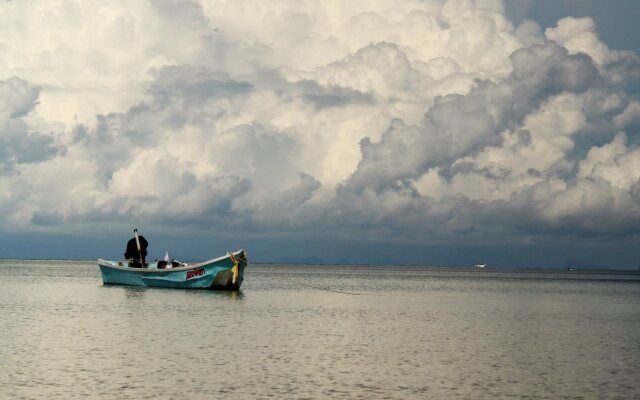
{"type": "Point", "coordinates": [212, 274]}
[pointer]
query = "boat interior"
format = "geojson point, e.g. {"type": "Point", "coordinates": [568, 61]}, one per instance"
{"type": "Point", "coordinates": [152, 264]}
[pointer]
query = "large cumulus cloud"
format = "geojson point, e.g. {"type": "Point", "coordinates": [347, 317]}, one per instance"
{"type": "Point", "coordinates": [415, 120]}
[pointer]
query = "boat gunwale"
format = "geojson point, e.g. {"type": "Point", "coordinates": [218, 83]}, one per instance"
{"type": "Point", "coordinates": [110, 264]}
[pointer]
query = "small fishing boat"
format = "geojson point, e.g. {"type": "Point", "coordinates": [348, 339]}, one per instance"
{"type": "Point", "coordinates": [481, 265]}
{"type": "Point", "coordinates": [225, 273]}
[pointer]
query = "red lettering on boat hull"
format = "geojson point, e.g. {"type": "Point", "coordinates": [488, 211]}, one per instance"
{"type": "Point", "coordinates": [195, 273]}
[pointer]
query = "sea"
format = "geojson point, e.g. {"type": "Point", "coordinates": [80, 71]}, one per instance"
{"type": "Point", "coordinates": [321, 332]}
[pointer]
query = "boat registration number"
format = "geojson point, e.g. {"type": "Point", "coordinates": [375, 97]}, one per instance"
{"type": "Point", "coordinates": [195, 273]}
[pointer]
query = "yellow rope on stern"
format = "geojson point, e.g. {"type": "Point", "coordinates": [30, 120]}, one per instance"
{"type": "Point", "coordinates": [236, 266]}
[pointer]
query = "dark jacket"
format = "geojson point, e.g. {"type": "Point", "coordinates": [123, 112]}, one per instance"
{"type": "Point", "coordinates": [132, 249]}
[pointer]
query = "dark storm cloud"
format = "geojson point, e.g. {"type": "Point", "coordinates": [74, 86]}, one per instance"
{"type": "Point", "coordinates": [47, 219]}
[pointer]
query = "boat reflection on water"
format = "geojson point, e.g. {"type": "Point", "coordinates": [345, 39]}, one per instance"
{"type": "Point", "coordinates": [134, 293]}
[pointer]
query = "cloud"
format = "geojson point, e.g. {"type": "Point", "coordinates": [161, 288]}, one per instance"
{"type": "Point", "coordinates": [18, 144]}
{"type": "Point", "coordinates": [419, 121]}
{"type": "Point", "coordinates": [458, 125]}
{"type": "Point", "coordinates": [579, 35]}
{"type": "Point", "coordinates": [631, 115]}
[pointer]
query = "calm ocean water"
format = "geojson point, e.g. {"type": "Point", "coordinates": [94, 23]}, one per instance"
{"type": "Point", "coordinates": [324, 332]}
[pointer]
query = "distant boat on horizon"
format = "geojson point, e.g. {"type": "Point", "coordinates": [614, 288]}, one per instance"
{"type": "Point", "coordinates": [482, 265]}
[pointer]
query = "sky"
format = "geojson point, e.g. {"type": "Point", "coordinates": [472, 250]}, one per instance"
{"type": "Point", "coordinates": [420, 132]}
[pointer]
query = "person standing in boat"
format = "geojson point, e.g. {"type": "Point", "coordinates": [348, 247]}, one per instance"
{"type": "Point", "coordinates": [136, 250]}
